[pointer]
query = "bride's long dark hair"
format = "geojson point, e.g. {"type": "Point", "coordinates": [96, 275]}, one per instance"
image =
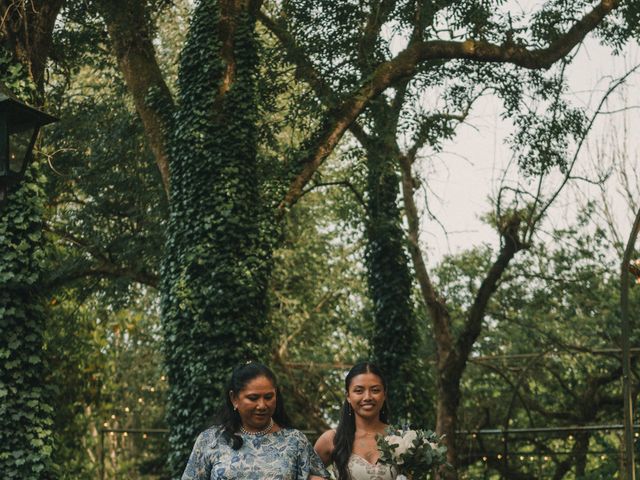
{"type": "Point", "coordinates": [346, 431]}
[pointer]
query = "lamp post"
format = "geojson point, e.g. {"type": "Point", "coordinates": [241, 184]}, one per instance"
{"type": "Point", "coordinates": [19, 127]}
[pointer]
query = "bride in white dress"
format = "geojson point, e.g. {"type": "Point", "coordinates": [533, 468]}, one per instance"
{"type": "Point", "coordinates": [351, 447]}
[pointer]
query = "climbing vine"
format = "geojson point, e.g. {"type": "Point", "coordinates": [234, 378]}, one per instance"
{"type": "Point", "coordinates": [395, 338]}
{"type": "Point", "coordinates": [25, 415]}
{"type": "Point", "coordinates": [217, 263]}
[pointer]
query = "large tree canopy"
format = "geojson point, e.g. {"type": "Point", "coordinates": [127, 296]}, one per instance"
{"type": "Point", "coordinates": [203, 186]}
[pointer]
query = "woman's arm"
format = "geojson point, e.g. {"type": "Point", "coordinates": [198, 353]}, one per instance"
{"type": "Point", "coordinates": [324, 446]}
{"type": "Point", "coordinates": [308, 462]}
{"type": "Point", "coordinates": [199, 467]}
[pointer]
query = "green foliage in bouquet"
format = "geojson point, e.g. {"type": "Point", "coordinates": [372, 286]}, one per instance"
{"type": "Point", "coordinates": [414, 454]}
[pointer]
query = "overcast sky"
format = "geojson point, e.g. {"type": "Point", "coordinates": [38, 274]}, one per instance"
{"type": "Point", "coordinates": [473, 163]}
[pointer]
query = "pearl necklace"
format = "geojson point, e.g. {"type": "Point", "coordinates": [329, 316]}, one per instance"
{"type": "Point", "coordinates": [259, 433]}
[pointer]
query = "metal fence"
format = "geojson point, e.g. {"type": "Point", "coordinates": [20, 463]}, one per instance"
{"type": "Point", "coordinates": [486, 453]}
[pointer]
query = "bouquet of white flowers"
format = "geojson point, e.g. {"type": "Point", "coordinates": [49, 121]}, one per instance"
{"type": "Point", "coordinates": [414, 454]}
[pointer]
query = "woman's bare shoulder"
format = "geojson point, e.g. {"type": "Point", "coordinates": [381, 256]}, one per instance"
{"type": "Point", "coordinates": [327, 436]}
{"type": "Point", "coordinates": [324, 445]}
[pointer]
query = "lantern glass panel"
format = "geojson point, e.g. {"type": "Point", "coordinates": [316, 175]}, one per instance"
{"type": "Point", "coordinates": [19, 143]}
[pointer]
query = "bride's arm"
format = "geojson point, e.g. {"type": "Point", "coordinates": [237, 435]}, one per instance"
{"type": "Point", "coordinates": [324, 446]}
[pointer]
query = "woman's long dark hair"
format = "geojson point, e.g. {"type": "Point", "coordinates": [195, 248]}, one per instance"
{"type": "Point", "coordinates": [346, 431]}
{"type": "Point", "coordinates": [230, 418]}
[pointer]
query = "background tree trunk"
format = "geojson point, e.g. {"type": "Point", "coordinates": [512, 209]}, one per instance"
{"type": "Point", "coordinates": [395, 339]}
{"type": "Point", "coordinates": [217, 261]}
{"type": "Point", "coordinates": [25, 414]}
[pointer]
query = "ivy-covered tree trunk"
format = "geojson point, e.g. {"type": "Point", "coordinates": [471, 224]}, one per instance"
{"type": "Point", "coordinates": [25, 415]}
{"type": "Point", "coordinates": [217, 265]}
{"type": "Point", "coordinates": [395, 335]}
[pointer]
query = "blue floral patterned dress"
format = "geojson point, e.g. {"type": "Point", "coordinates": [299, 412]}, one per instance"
{"type": "Point", "coordinates": [282, 455]}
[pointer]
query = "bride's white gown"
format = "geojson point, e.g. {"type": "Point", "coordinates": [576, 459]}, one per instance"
{"type": "Point", "coordinates": [360, 469]}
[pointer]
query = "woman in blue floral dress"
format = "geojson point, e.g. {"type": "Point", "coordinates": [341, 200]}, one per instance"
{"type": "Point", "coordinates": [254, 440]}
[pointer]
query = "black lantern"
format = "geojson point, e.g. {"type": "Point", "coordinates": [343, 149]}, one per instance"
{"type": "Point", "coordinates": [19, 127]}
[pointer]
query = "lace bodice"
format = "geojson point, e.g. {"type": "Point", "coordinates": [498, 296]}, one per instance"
{"type": "Point", "coordinates": [361, 469]}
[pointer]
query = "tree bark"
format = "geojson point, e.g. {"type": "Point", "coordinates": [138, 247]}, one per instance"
{"type": "Point", "coordinates": [27, 33]}
{"type": "Point", "coordinates": [128, 25]}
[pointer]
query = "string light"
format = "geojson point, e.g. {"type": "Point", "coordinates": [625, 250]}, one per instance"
{"type": "Point", "coordinates": [499, 456]}
{"type": "Point", "coordinates": [140, 400]}
{"type": "Point", "coordinates": [113, 417]}
{"type": "Point", "coordinates": [126, 409]}
{"type": "Point", "coordinates": [484, 459]}
{"type": "Point", "coordinates": [105, 424]}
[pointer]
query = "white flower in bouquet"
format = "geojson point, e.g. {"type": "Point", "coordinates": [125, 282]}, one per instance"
{"type": "Point", "coordinates": [413, 453]}
{"type": "Point", "coordinates": [404, 442]}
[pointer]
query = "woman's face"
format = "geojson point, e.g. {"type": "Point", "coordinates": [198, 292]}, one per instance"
{"type": "Point", "coordinates": [366, 395]}
{"type": "Point", "coordinates": [256, 403]}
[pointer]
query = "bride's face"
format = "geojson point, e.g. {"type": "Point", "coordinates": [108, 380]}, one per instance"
{"type": "Point", "coordinates": [366, 395]}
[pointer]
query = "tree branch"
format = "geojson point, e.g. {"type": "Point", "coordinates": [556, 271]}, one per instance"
{"type": "Point", "coordinates": [612, 87]}
{"type": "Point", "coordinates": [305, 69]}
{"type": "Point", "coordinates": [380, 10]}
{"type": "Point", "coordinates": [131, 38]}
{"type": "Point", "coordinates": [26, 32]}
{"type": "Point", "coordinates": [104, 270]}
{"type": "Point", "coordinates": [405, 65]}
{"type": "Point", "coordinates": [344, 183]}
{"type": "Point", "coordinates": [104, 266]}
{"type": "Point", "coordinates": [511, 245]}
{"type": "Point", "coordinates": [437, 309]}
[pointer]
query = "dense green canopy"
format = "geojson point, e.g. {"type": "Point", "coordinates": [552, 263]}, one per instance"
{"type": "Point", "coordinates": [239, 179]}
